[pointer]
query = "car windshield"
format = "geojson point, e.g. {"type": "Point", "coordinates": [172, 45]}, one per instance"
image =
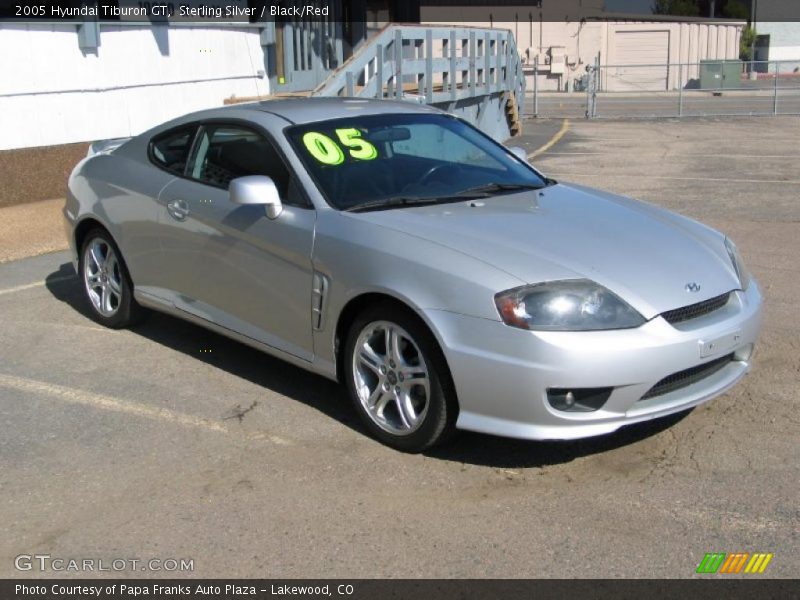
{"type": "Point", "coordinates": [393, 160]}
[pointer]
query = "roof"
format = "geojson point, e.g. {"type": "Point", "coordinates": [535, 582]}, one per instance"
{"type": "Point", "coordinates": [309, 110]}
{"type": "Point", "coordinates": [653, 18]}
{"type": "Point", "coordinates": [298, 111]}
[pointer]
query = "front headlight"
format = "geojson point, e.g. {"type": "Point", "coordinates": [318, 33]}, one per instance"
{"type": "Point", "coordinates": [738, 264]}
{"type": "Point", "coordinates": [573, 305]}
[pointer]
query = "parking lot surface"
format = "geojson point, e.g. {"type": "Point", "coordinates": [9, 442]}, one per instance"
{"type": "Point", "coordinates": [170, 442]}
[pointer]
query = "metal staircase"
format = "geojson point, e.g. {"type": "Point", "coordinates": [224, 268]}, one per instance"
{"type": "Point", "coordinates": [473, 72]}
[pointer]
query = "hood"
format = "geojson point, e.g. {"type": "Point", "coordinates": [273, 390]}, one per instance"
{"type": "Point", "coordinates": [644, 254]}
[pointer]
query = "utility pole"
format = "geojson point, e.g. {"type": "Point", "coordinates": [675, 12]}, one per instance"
{"type": "Point", "coordinates": [753, 29]}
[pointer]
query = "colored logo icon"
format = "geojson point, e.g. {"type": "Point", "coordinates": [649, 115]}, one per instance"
{"type": "Point", "coordinates": [737, 562]}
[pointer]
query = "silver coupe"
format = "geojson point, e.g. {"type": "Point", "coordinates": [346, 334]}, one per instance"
{"type": "Point", "coordinates": [444, 281]}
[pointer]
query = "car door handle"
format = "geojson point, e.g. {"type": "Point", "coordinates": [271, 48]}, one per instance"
{"type": "Point", "coordinates": [178, 209]}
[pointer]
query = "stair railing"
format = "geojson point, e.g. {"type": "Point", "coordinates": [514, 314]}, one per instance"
{"type": "Point", "coordinates": [432, 64]}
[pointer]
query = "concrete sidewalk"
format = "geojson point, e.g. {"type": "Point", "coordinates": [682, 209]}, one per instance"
{"type": "Point", "coordinates": [31, 229]}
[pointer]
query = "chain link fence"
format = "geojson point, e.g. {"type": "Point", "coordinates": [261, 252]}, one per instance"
{"type": "Point", "coordinates": [706, 88]}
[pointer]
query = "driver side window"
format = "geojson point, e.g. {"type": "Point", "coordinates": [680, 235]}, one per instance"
{"type": "Point", "coordinates": [224, 152]}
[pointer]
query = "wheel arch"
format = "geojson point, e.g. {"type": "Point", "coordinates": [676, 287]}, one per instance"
{"type": "Point", "coordinates": [361, 302]}
{"type": "Point", "coordinates": [82, 229]}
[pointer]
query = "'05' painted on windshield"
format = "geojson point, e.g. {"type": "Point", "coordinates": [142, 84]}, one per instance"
{"type": "Point", "coordinates": [328, 152]}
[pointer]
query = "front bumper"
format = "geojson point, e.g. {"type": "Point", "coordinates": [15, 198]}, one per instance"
{"type": "Point", "coordinates": [502, 374]}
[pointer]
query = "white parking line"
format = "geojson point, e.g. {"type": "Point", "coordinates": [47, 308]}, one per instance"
{"type": "Point", "coordinates": [81, 326]}
{"type": "Point", "coordinates": [85, 398]}
{"type": "Point", "coordinates": [118, 405]}
{"type": "Point", "coordinates": [29, 286]}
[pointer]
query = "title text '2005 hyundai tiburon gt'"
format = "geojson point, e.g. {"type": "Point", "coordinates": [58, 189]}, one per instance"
{"type": "Point", "coordinates": [435, 273]}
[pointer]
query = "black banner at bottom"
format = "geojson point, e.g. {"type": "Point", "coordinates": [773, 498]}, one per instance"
{"type": "Point", "coordinates": [363, 589]}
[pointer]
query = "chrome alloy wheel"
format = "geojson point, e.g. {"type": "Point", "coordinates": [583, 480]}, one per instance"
{"type": "Point", "coordinates": [102, 277]}
{"type": "Point", "coordinates": [391, 378]}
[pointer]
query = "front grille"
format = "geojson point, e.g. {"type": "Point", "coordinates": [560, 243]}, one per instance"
{"type": "Point", "coordinates": [685, 378]}
{"type": "Point", "coordinates": [696, 310]}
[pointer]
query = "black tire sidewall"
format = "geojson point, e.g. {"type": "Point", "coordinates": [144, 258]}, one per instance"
{"type": "Point", "coordinates": [439, 420]}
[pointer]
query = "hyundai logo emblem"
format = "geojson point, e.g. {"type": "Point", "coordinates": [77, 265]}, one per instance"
{"type": "Point", "coordinates": [692, 287]}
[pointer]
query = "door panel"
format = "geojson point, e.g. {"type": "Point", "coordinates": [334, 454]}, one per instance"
{"type": "Point", "coordinates": [231, 265]}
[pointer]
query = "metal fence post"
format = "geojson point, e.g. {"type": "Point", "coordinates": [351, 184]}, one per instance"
{"type": "Point", "coordinates": [775, 93]}
{"type": "Point", "coordinates": [680, 90]}
{"type": "Point", "coordinates": [536, 86]}
{"type": "Point", "coordinates": [596, 85]}
{"type": "Point", "coordinates": [589, 86]}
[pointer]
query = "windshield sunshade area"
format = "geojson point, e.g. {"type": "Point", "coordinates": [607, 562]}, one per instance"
{"type": "Point", "coordinates": [396, 160]}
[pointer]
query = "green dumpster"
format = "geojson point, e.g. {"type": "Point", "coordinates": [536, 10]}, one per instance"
{"type": "Point", "coordinates": [720, 74]}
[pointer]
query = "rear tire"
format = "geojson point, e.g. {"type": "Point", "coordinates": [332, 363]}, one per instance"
{"type": "Point", "coordinates": [106, 282]}
{"type": "Point", "coordinates": [398, 380]}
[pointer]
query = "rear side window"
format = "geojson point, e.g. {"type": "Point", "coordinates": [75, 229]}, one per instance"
{"type": "Point", "coordinates": [170, 150]}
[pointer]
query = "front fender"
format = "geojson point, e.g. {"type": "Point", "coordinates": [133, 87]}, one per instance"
{"type": "Point", "coordinates": [360, 258]}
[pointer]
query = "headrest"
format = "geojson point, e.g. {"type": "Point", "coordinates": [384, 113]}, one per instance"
{"type": "Point", "coordinates": [249, 157]}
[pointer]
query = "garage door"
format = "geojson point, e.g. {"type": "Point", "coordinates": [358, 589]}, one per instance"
{"type": "Point", "coordinates": [633, 50]}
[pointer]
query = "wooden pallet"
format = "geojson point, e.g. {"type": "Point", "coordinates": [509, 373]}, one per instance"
{"type": "Point", "coordinates": [278, 96]}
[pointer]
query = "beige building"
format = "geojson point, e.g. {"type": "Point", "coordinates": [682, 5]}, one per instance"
{"type": "Point", "coordinates": [639, 54]}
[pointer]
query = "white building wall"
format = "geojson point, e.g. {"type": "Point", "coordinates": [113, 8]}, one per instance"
{"type": "Point", "coordinates": [784, 43]}
{"type": "Point", "coordinates": [53, 93]}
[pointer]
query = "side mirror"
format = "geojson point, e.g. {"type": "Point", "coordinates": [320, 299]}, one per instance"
{"type": "Point", "coordinates": [520, 153]}
{"type": "Point", "coordinates": [257, 189]}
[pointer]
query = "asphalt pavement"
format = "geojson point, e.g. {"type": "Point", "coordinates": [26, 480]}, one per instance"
{"type": "Point", "coordinates": [169, 442]}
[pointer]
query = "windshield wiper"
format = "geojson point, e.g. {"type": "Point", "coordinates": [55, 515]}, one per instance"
{"type": "Point", "coordinates": [393, 202]}
{"type": "Point", "coordinates": [479, 191]}
{"type": "Point", "coordinates": [492, 188]}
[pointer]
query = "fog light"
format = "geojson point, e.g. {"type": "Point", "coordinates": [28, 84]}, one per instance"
{"type": "Point", "coordinates": [744, 353]}
{"type": "Point", "coordinates": [578, 399]}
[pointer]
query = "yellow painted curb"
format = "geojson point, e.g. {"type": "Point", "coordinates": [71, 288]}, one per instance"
{"type": "Point", "coordinates": [553, 141]}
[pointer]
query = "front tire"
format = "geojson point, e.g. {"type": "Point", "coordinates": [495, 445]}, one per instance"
{"type": "Point", "coordinates": [106, 282]}
{"type": "Point", "coordinates": [398, 380]}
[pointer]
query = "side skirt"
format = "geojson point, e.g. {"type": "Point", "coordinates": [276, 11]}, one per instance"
{"type": "Point", "coordinates": [160, 305]}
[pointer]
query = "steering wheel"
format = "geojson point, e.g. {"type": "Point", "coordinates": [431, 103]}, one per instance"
{"type": "Point", "coordinates": [437, 170]}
